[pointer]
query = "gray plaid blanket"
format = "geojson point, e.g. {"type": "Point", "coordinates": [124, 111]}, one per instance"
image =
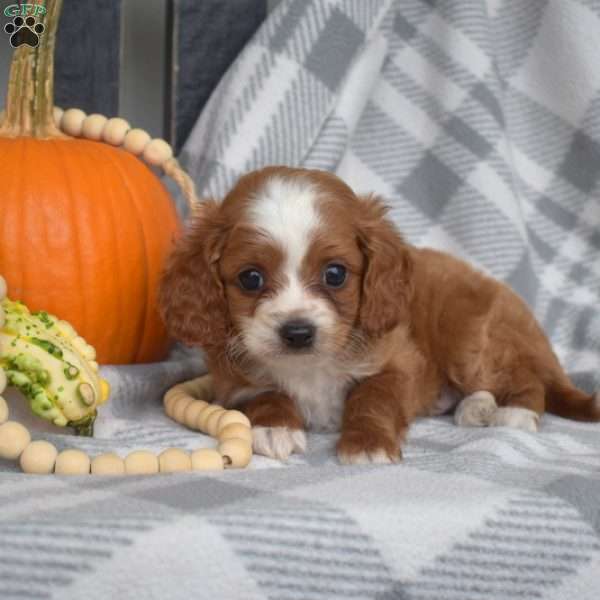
{"type": "Point", "coordinates": [480, 123]}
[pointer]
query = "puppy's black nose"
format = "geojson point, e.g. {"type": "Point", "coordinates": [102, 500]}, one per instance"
{"type": "Point", "coordinates": [298, 334]}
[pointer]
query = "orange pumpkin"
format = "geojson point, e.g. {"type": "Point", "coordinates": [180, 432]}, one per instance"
{"type": "Point", "coordinates": [84, 227]}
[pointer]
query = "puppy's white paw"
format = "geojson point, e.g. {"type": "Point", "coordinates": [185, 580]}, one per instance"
{"type": "Point", "coordinates": [376, 457]}
{"type": "Point", "coordinates": [278, 442]}
{"type": "Point", "coordinates": [516, 417]}
{"type": "Point", "coordinates": [475, 410]}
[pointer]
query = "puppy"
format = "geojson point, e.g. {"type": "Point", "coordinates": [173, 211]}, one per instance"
{"type": "Point", "coordinates": [314, 313]}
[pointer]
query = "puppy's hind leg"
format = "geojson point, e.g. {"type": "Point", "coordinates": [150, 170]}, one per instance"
{"type": "Point", "coordinates": [522, 407]}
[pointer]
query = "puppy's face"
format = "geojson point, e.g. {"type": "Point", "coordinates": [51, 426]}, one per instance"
{"type": "Point", "coordinates": [290, 269]}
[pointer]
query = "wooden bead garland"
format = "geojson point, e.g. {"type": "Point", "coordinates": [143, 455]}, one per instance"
{"type": "Point", "coordinates": [118, 132]}
{"type": "Point", "coordinates": [230, 427]}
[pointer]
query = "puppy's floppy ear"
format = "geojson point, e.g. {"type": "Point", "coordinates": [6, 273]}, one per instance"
{"type": "Point", "coordinates": [191, 296]}
{"type": "Point", "coordinates": [387, 280]}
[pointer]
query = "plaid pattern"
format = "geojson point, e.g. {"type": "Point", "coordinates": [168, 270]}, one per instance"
{"type": "Point", "coordinates": [480, 124]}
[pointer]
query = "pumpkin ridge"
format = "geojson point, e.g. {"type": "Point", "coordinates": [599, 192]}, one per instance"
{"type": "Point", "coordinates": [21, 212]}
{"type": "Point", "coordinates": [142, 328]}
{"type": "Point", "coordinates": [113, 214]}
{"type": "Point", "coordinates": [59, 151]}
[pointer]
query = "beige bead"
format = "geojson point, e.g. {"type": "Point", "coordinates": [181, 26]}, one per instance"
{"type": "Point", "coordinates": [57, 114]}
{"type": "Point", "coordinates": [170, 398]}
{"type": "Point", "coordinates": [72, 462]}
{"type": "Point", "coordinates": [141, 462]}
{"type": "Point", "coordinates": [180, 407]}
{"type": "Point", "coordinates": [206, 459]}
{"type": "Point", "coordinates": [237, 453]}
{"type": "Point", "coordinates": [157, 152]}
{"type": "Point", "coordinates": [2, 317]}
{"type": "Point", "coordinates": [3, 288]}
{"type": "Point", "coordinates": [235, 430]}
{"type": "Point", "coordinates": [14, 438]}
{"type": "Point", "coordinates": [204, 416]}
{"type": "Point", "coordinates": [192, 412]}
{"type": "Point", "coordinates": [212, 423]}
{"type": "Point", "coordinates": [201, 388]}
{"type": "Point", "coordinates": [233, 416]}
{"type": "Point", "coordinates": [174, 460]}
{"type": "Point", "coordinates": [93, 126]}
{"type": "Point", "coordinates": [39, 458]}
{"type": "Point", "coordinates": [115, 130]}
{"type": "Point", "coordinates": [3, 405]}
{"type": "Point", "coordinates": [108, 464]}
{"type": "Point", "coordinates": [136, 140]}
{"type": "Point", "coordinates": [72, 121]}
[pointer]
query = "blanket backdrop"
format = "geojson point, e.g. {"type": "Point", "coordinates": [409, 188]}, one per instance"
{"type": "Point", "coordinates": [479, 122]}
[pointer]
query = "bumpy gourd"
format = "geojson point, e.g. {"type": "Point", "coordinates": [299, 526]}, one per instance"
{"type": "Point", "coordinates": [53, 367]}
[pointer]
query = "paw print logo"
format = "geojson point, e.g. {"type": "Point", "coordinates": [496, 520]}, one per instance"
{"type": "Point", "coordinates": [24, 31]}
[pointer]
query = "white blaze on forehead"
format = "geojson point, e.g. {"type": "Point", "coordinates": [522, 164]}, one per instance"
{"type": "Point", "coordinates": [286, 210]}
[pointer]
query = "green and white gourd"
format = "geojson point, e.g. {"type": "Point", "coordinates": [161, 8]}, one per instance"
{"type": "Point", "coordinates": [53, 367]}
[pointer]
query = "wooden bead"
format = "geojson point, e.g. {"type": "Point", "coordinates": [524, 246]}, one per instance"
{"type": "Point", "coordinates": [136, 140]}
{"type": "Point", "coordinates": [204, 416]}
{"type": "Point", "coordinates": [192, 412]}
{"type": "Point", "coordinates": [14, 438]}
{"type": "Point", "coordinates": [201, 388]}
{"type": "Point", "coordinates": [157, 152]}
{"type": "Point", "coordinates": [93, 126]}
{"type": "Point", "coordinates": [233, 416]}
{"type": "Point", "coordinates": [57, 114]}
{"type": "Point", "coordinates": [206, 459]}
{"type": "Point", "coordinates": [3, 381]}
{"type": "Point", "coordinates": [237, 453]}
{"type": "Point", "coordinates": [180, 407]}
{"type": "Point", "coordinates": [72, 121]}
{"type": "Point", "coordinates": [2, 288]}
{"type": "Point", "coordinates": [72, 462]}
{"type": "Point", "coordinates": [141, 462]}
{"type": "Point", "coordinates": [39, 458]}
{"type": "Point", "coordinates": [171, 398]}
{"type": "Point", "coordinates": [115, 130]}
{"type": "Point", "coordinates": [108, 464]}
{"type": "Point", "coordinates": [3, 405]}
{"type": "Point", "coordinates": [235, 430]}
{"type": "Point", "coordinates": [212, 423]}
{"type": "Point", "coordinates": [174, 460]}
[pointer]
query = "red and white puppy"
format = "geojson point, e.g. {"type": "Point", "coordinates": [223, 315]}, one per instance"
{"type": "Point", "coordinates": [314, 313]}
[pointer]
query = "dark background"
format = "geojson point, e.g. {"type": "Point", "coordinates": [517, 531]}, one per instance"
{"type": "Point", "coordinates": [153, 62]}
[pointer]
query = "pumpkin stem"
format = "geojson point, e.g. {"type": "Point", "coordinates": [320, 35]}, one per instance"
{"type": "Point", "coordinates": [30, 97]}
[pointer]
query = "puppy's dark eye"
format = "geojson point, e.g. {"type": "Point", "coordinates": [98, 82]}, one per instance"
{"type": "Point", "coordinates": [334, 275]}
{"type": "Point", "coordinates": [251, 280]}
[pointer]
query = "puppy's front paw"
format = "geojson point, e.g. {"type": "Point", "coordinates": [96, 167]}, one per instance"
{"type": "Point", "coordinates": [360, 448]}
{"type": "Point", "coordinates": [278, 442]}
{"type": "Point", "coordinates": [475, 410]}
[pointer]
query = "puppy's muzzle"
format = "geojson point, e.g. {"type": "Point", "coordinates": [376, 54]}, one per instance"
{"type": "Point", "coordinates": [298, 334]}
